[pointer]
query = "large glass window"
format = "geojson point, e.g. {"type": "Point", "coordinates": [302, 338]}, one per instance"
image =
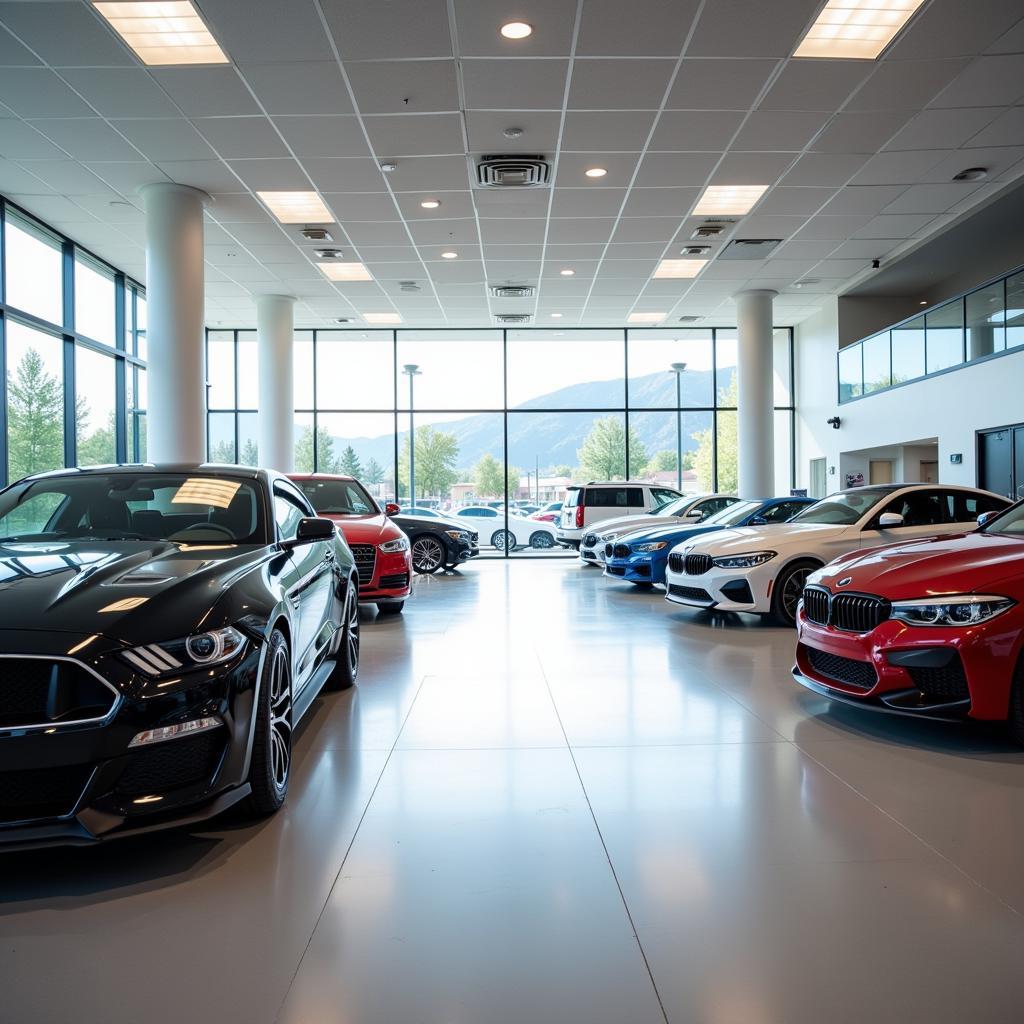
{"type": "Point", "coordinates": [356, 370]}
{"type": "Point", "coordinates": [450, 370]}
{"type": "Point", "coordinates": [851, 372]}
{"type": "Point", "coordinates": [908, 350]}
{"type": "Point", "coordinates": [566, 370]}
{"type": "Point", "coordinates": [986, 321]}
{"type": "Point", "coordinates": [34, 269]}
{"type": "Point", "coordinates": [877, 369]}
{"type": "Point", "coordinates": [944, 336]}
{"type": "Point", "coordinates": [1015, 311]}
{"type": "Point", "coordinates": [666, 365]}
{"type": "Point", "coordinates": [94, 300]}
{"type": "Point", "coordinates": [96, 408]}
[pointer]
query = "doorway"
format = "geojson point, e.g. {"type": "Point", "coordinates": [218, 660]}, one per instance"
{"type": "Point", "coordinates": [1001, 460]}
{"type": "Point", "coordinates": [929, 472]}
{"type": "Point", "coordinates": [817, 478]}
{"type": "Point", "coordinates": [880, 471]}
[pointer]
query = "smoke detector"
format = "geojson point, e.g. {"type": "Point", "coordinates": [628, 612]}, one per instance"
{"type": "Point", "coordinates": [513, 172]}
{"type": "Point", "coordinates": [317, 235]}
{"type": "Point", "coordinates": [513, 291]}
{"type": "Point", "coordinates": [329, 254]}
{"type": "Point", "coordinates": [512, 318]}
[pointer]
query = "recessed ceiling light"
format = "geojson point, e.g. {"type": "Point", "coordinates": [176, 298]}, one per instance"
{"type": "Point", "coordinates": [557, 316]}
{"type": "Point", "coordinates": [856, 29]}
{"type": "Point", "coordinates": [161, 33]}
{"type": "Point", "coordinates": [567, 273]}
{"type": "Point", "coordinates": [387, 167]}
{"type": "Point", "coordinates": [382, 318]}
{"type": "Point", "coordinates": [646, 318]}
{"type": "Point", "coordinates": [296, 207]}
{"type": "Point", "coordinates": [595, 172]}
{"type": "Point", "coordinates": [728, 199]}
{"type": "Point", "coordinates": [430, 204]}
{"type": "Point", "coordinates": [679, 268]}
{"type": "Point", "coordinates": [516, 30]}
{"type": "Point", "coordinates": [345, 271]}
{"type": "Point", "coordinates": [449, 255]}
{"type": "Point", "coordinates": [972, 174]}
{"type": "Point", "coordinates": [923, 302]}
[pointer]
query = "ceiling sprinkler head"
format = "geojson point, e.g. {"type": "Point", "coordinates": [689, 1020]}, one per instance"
{"type": "Point", "coordinates": [512, 133]}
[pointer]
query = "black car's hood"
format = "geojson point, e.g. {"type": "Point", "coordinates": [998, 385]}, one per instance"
{"type": "Point", "coordinates": [131, 591]}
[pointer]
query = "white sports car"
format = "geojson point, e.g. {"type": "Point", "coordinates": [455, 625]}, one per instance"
{"type": "Point", "coordinates": [519, 532]}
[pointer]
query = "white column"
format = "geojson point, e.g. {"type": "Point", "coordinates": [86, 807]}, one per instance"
{"type": "Point", "coordinates": [275, 324]}
{"type": "Point", "coordinates": [755, 426]}
{"type": "Point", "coordinates": [176, 417]}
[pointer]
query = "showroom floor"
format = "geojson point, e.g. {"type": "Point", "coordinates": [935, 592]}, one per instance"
{"type": "Point", "coordinates": [552, 799]}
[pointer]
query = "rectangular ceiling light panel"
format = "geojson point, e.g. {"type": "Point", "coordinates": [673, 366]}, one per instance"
{"type": "Point", "coordinates": [346, 271]}
{"type": "Point", "coordinates": [161, 33]}
{"type": "Point", "coordinates": [646, 318]}
{"type": "Point", "coordinates": [297, 207]}
{"type": "Point", "coordinates": [382, 318]}
{"type": "Point", "coordinates": [679, 268]}
{"type": "Point", "coordinates": [728, 199]}
{"type": "Point", "coordinates": [856, 29]}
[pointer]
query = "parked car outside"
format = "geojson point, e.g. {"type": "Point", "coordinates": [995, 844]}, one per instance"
{"type": "Point", "coordinates": [548, 513]}
{"type": "Point", "coordinates": [763, 570]}
{"type": "Point", "coordinates": [519, 531]}
{"type": "Point", "coordinates": [588, 504]}
{"type": "Point", "coordinates": [423, 513]}
{"type": "Point", "coordinates": [163, 630]}
{"type": "Point", "coordinates": [437, 542]}
{"type": "Point", "coordinates": [933, 628]}
{"type": "Point", "coordinates": [641, 557]}
{"type": "Point", "coordinates": [694, 508]}
{"type": "Point", "coordinates": [380, 548]}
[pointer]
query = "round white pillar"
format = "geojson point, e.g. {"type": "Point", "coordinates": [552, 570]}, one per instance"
{"type": "Point", "coordinates": [275, 326]}
{"type": "Point", "coordinates": [755, 416]}
{"type": "Point", "coordinates": [176, 417]}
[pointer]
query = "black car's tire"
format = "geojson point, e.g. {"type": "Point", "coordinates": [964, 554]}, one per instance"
{"type": "Point", "coordinates": [503, 540]}
{"type": "Point", "coordinates": [541, 540]}
{"type": "Point", "coordinates": [789, 585]}
{"type": "Point", "coordinates": [270, 765]}
{"type": "Point", "coordinates": [390, 608]}
{"type": "Point", "coordinates": [428, 554]}
{"type": "Point", "coordinates": [1015, 712]}
{"type": "Point", "coordinates": [346, 661]}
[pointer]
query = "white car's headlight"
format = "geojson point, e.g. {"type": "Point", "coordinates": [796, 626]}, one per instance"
{"type": "Point", "coordinates": [959, 610]}
{"type": "Point", "coordinates": [654, 545]}
{"type": "Point", "coordinates": [200, 649]}
{"type": "Point", "coordinates": [391, 546]}
{"type": "Point", "coordinates": [745, 561]}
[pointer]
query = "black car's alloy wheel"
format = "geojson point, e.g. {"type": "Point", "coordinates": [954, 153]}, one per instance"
{"type": "Point", "coordinates": [346, 661]}
{"type": "Point", "coordinates": [542, 540]}
{"type": "Point", "coordinates": [427, 555]}
{"type": "Point", "coordinates": [789, 588]}
{"type": "Point", "coordinates": [503, 540]}
{"type": "Point", "coordinates": [270, 769]}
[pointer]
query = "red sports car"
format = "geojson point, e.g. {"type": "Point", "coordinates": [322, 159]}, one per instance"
{"type": "Point", "coordinates": [933, 628]}
{"type": "Point", "coordinates": [380, 548]}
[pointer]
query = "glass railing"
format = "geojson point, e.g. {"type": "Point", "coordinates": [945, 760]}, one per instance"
{"type": "Point", "coordinates": [986, 322]}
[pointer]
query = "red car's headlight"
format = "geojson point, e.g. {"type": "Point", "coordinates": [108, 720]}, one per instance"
{"type": "Point", "coordinates": [959, 610]}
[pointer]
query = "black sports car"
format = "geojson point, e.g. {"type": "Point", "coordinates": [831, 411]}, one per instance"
{"type": "Point", "coordinates": [436, 542]}
{"type": "Point", "coordinates": [162, 631]}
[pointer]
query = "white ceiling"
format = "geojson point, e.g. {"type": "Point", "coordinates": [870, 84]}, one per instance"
{"type": "Point", "coordinates": [668, 95]}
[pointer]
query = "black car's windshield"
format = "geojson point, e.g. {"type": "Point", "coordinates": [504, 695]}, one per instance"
{"type": "Point", "coordinates": [185, 508]}
{"type": "Point", "coordinates": [843, 508]}
{"type": "Point", "coordinates": [732, 515]}
{"type": "Point", "coordinates": [1010, 522]}
{"type": "Point", "coordinates": [338, 497]}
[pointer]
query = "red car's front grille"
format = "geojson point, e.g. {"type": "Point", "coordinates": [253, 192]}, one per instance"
{"type": "Point", "coordinates": [860, 674]}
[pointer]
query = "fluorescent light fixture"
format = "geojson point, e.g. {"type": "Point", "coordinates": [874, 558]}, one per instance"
{"type": "Point", "coordinates": [557, 316]}
{"type": "Point", "coordinates": [567, 273]}
{"type": "Point", "coordinates": [382, 318]}
{"type": "Point", "coordinates": [449, 255]}
{"type": "Point", "coordinates": [160, 33]}
{"type": "Point", "coordinates": [856, 29]}
{"type": "Point", "coordinates": [345, 271]}
{"type": "Point", "coordinates": [728, 199]}
{"type": "Point", "coordinates": [595, 172]}
{"type": "Point", "coordinates": [430, 204]}
{"type": "Point", "coordinates": [679, 268]}
{"type": "Point", "coordinates": [516, 30]}
{"type": "Point", "coordinates": [297, 207]}
{"type": "Point", "coordinates": [646, 318]}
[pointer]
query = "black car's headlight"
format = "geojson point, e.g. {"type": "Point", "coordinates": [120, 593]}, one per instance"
{"type": "Point", "coordinates": [390, 547]}
{"type": "Point", "coordinates": [457, 535]}
{"type": "Point", "coordinates": [196, 651]}
{"type": "Point", "coordinates": [959, 610]}
{"type": "Point", "coordinates": [744, 561]}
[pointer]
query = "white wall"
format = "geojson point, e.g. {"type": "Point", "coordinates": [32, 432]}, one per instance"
{"type": "Point", "coordinates": [950, 407]}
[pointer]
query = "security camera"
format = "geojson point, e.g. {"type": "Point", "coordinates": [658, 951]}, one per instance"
{"type": "Point", "coordinates": [834, 422]}
{"type": "Point", "coordinates": [875, 264]}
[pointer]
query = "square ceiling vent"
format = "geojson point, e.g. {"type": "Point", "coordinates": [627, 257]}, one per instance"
{"type": "Point", "coordinates": [512, 318]}
{"type": "Point", "coordinates": [513, 172]}
{"type": "Point", "coordinates": [513, 291]}
{"type": "Point", "coordinates": [749, 248]}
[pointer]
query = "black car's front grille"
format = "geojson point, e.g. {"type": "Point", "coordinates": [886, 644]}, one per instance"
{"type": "Point", "coordinates": [172, 764]}
{"type": "Point", "coordinates": [40, 691]}
{"type": "Point", "coordinates": [365, 556]}
{"type": "Point", "coordinates": [621, 551]}
{"type": "Point", "coordinates": [675, 563]}
{"type": "Point", "coordinates": [689, 593]}
{"type": "Point", "coordinates": [474, 537]}
{"type": "Point", "coordinates": [948, 683]}
{"type": "Point", "coordinates": [861, 674]}
{"type": "Point", "coordinates": [41, 792]}
{"type": "Point", "coordinates": [400, 579]}
{"type": "Point", "coordinates": [852, 613]}
{"type": "Point", "coordinates": [696, 565]}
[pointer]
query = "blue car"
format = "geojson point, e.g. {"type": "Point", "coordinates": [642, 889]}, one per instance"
{"type": "Point", "coordinates": [641, 557]}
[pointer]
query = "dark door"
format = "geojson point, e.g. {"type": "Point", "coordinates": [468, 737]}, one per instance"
{"type": "Point", "coordinates": [1018, 463]}
{"type": "Point", "coordinates": [998, 468]}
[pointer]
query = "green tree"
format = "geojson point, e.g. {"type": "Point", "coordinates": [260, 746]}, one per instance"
{"type": "Point", "coordinates": [35, 418]}
{"type": "Point", "coordinates": [728, 469]}
{"type": "Point", "coordinates": [664, 461]}
{"type": "Point", "coordinates": [436, 456]}
{"type": "Point", "coordinates": [325, 460]}
{"type": "Point", "coordinates": [603, 455]}
{"type": "Point", "coordinates": [350, 464]}
{"type": "Point", "coordinates": [487, 480]}
{"type": "Point", "coordinates": [100, 447]}
{"type": "Point", "coordinates": [250, 453]}
{"type": "Point", "coordinates": [223, 451]}
{"type": "Point", "coordinates": [562, 470]}
{"type": "Point", "coordinates": [373, 473]}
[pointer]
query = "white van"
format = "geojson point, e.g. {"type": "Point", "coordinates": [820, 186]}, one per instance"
{"type": "Point", "coordinates": [586, 504]}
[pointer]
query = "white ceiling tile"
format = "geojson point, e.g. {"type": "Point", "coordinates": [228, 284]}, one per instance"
{"type": "Point", "coordinates": [13, 54]}
{"type": "Point", "coordinates": [903, 168]}
{"type": "Point", "coordinates": [619, 85]}
{"type": "Point", "coordinates": [454, 204]}
{"type": "Point", "coordinates": [905, 85]}
{"type": "Point", "coordinates": [268, 29]}
{"type": "Point", "coordinates": [658, 169]}
{"type": "Point", "coordinates": [262, 233]}
{"type": "Point", "coordinates": [299, 88]}
{"type": "Point", "coordinates": [719, 84]}
{"type": "Point", "coordinates": [515, 202]}
{"type": "Point", "coordinates": [737, 28]}
{"type": "Point", "coordinates": [933, 199]}
{"type": "Point", "coordinates": [65, 34]}
{"type": "Point", "coordinates": [371, 30]}
{"type": "Point", "coordinates": [236, 138]}
{"type": "Point", "coordinates": [986, 82]}
{"type": "Point", "coordinates": [361, 205]}
{"type": "Point", "coordinates": [751, 168]}
{"type": "Point", "coordinates": [539, 131]}
{"type": "Point", "coordinates": [660, 202]}
{"type": "Point", "coordinates": [38, 92]}
{"type": "Point", "coordinates": [67, 177]}
{"type": "Point", "coordinates": [643, 229]}
{"type": "Point", "coordinates": [514, 84]}
{"type": "Point", "coordinates": [779, 129]}
{"type": "Point", "coordinates": [457, 270]}
{"type": "Point", "coordinates": [506, 230]}
{"type": "Point", "coordinates": [789, 200]}
{"type": "Point", "coordinates": [824, 169]}
{"type": "Point", "coordinates": [838, 269]}
{"type": "Point", "coordinates": [271, 175]}
{"type": "Point", "coordinates": [562, 254]}
{"type": "Point", "coordinates": [21, 140]}
{"type": "Point", "coordinates": [999, 161]}
{"type": "Point", "coordinates": [171, 139]}
{"type": "Point", "coordinates": [682, 131]}
{"type": "Point", "coordinates": [126, 178]}
{"type": "Point", "coordinates": [864, 249]}
{"type": "Point", "coordinates": [389, 253]}
{"type": "Point", "coordinates": [943, 129]}
{"type": "Point", "coordinates": [870, 199]}
{"type": "Point", "coordinates": [759, 225]}
{"type": "Point", "coordinates": [572, 169]}
{"type": "Point", "coordinates": [606, 130]}
{"type": "Point", "coordinates": [948, 28]}
{"type": "Point", "coordinates": [62, 213]}
{"type": "Point", "coordinates": [121, 92]}
{"type": "Point", "coordinates": [207, 91]}
{"type": "Point", "coordinates": [323, 136]}
{"type": "Point", "coordinates": [478, 22]}
{"type": "Point", "coordinates": [580, 230]}
{"type": "Point", "coordinates": [376, 232]}
{"type": "Point", "coordinates": [444, 231]}
{"type": "Point", "coordinates": [804, 250]}
{"type": "Point", "coordinates": [209, 175]}
{"type": "Point", "coordinates": [860, 131]}
{"type": "Point", "coordinates": [1008, 127]}
{"type": "Point", "coordinates": [837, 227]}
{"type": "Point", "coordinates": [427, 173]}
{"type": "Point", "coordinates": [237, 209]}
{"type": "Point", "coordinates": [399, 87]}
{"type": "Point", "coordinates": [815, 84]}
{"type": "Point", "coordinates": [641, 28]}
{"type": "Point", "coordinates": [88, 138]}
{"type": "Point", "coordinates": [587, 202]}
{"type": "Point", "coordinates": [355, 174]}
{"type": "Point", "coordinates": [898, 226]}
{"type": "Point", "coordinates": [415, 134]}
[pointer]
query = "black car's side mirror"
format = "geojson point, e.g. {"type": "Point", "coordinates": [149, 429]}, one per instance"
{"type": "Point", "coordinates": [310, 531]}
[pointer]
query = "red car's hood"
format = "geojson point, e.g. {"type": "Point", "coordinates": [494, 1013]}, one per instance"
{"type": "Point", "coordinates": [964, 564]}
{"type": "Point", "coordinates": [365, 529]}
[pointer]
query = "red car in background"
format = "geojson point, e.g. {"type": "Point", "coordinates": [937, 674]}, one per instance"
{"type": "Point", "coordinates": [380, 549]}
{"type": "Point", "coordinates": [549, 513]}
{"type": "Point", "coordinates": [933, 628]}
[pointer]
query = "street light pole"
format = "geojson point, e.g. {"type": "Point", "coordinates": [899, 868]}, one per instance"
{"type": "Point", "coordinates": [678, 369]}
{"type": "Point", "coordinates": [411, 370]}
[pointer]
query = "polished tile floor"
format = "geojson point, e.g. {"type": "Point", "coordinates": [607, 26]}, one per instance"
{"type": "Point", "coordinates": [552, 800]}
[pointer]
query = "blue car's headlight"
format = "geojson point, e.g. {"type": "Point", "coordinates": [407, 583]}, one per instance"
{"type": "Point", "coordinates": [197, 651]}
{"type": "Point", "coordinates": [960, 610]}
{"type": "Point", "coordinates": [656, 545]}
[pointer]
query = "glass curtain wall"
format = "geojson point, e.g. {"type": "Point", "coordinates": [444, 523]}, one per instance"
{"type": "Point", "coordinates": [490, 426]}
{"type": "Point", "coordinates": [72, 344]}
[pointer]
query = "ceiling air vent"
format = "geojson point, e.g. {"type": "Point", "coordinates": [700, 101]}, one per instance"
{"type": "Point", "coordinates": [317, 234]}
{"type": "Point", "coordinates": [409, 286]}
{"type": "Point", "coordinates": [749, 248]}
{"type": "Point", "coordinates": [513, 171]}
{"type": "Point", "coordinates": [711, 229]}
{"type": "Point", "coordinates": [329, 254]}
{"type": "Point", "coordinates": [513, 291]}
{"type": "Point", "coordinates": [512, 318]}
{"type": "Point", "coordinates": [690, 319]}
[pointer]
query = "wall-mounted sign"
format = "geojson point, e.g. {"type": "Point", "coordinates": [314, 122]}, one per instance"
{"type": "Point", "coordinates": [798, 492]}
{"type": "Point", "coordinates": [956, 458]}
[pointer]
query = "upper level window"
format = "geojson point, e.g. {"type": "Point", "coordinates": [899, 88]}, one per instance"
{"type": "Point", "coordinates": [94, 300]}
{"type": "Point", "coordinates": [33, 262]}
